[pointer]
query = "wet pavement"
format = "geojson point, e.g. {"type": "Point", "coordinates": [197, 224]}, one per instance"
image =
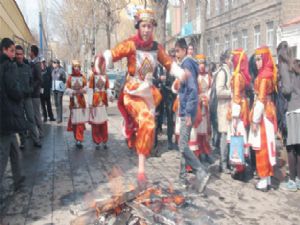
{"type": "Point", "coordinates": [59, 176]}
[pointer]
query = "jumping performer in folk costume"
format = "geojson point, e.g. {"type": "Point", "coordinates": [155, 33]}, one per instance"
{"type": "Point", "coordinates": [139, 97]}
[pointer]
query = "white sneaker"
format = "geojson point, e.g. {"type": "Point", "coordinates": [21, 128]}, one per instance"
{"type": "Point", "coordinates": [262, 184]}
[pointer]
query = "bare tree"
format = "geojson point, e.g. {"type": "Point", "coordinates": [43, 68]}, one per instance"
{"type": "Point", "coordinates": [110, 10]}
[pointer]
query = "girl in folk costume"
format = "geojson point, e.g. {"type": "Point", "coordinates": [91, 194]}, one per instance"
{"type": "Point", "coordinates": [263, 117]}
{"type": "Point", "coordinates": [98, 101]}
{"type": "Point", "coordinates": [199, 139]}
{"type": "Point", "coordinates": [76, 88]}
{"type": "Point", "coordinates": [238, 113]}
{"type": "Point", "coordinates": [139, 97]}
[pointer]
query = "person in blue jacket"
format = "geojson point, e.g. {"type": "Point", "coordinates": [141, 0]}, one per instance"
{"type": "Point", "coordinates": [188, 101]}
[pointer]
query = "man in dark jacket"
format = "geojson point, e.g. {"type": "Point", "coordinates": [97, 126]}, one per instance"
{"type": "Point", "coordinates": [37, 84]}
{"type": "Point", "coordinates": [46, 91]}
{"type": "Point", "coordinates": [12, 118]}
{"type": "Point", "coordinates": [188, 100]}
{"type": "Point", "coordinates": [25, 75]}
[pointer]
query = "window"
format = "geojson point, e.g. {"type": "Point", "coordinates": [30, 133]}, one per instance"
{"type": "Point", "coordinates": [245, 40]}
{"type": "Point", "coordinates": [226, 5]}
{"type": "Point", "coordinates": [235, 40]}
{"type": "Point", "coordinates": [227, 43]}
{"type": "Point", "coordinates": [256, 36]}
{"type": "Point", "coordinates": [217, 48]}
{"type": "Point", "coordinates": [208, 9]}
{"type": "Point", "coordinates": [186, 13]}
{"type": "Point", "coordinates": [209, 48]}
{"type": "Point", "coordinates": [270, 35]}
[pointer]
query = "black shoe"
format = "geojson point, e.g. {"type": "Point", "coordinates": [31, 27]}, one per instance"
{"type": "Point", "coordinates": [105, 146]}
{"type": "Point", "coordinates": [45, 120]}
{"type": "Point", "coordinates": [52, 119]}
{"type": "Point", "coordinates": [79, 145]}
{"type": "Point", "coordinates": [37, 145]}
{"type": "Point", "coordinates": [19, 184]}
{"type": "Point", "coordinates": [97, 147]}
{"type": "Point", "coordinates": [22, 146]}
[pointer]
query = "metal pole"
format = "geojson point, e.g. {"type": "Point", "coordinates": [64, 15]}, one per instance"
{"type": "Point", "coordinates": [41, 33]}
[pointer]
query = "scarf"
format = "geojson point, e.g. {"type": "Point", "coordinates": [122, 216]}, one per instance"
{"type": "Point", "coordinates": [240, 65]}
{"type": "Point", "coordinates": [140, 43]}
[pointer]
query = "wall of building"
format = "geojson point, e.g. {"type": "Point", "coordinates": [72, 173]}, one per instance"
{"type": "Point", "coordinates": [241, 19]}
{"type": "Point", "coordinates": [12, 23]}
{"type": "Point", "coordinates": [232, 21]}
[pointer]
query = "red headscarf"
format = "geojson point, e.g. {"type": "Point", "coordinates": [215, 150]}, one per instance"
{"type": "Point", "coordinates": [240, 64]}
{"type": "Point", "coordinates": [268, 69]}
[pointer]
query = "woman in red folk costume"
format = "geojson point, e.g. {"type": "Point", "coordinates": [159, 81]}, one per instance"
{"type": "Point", "coordinates": [202, 130]}
{"type": "Point", "coordinates": [139, 97]}
{"type": "Point", "coordinates": [98, 101]}
{"type": "Point", "coordinates": [238, 113]}
{"type": "Point", "coordinates": [263, 117]}
{"type": "Point", "coordinates": [76, 88]}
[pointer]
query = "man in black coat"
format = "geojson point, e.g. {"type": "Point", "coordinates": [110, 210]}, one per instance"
{"type": "Point", "coordinates": [12, 118]}
{"type": "Point", "coordinates": [25, 76]}
{"type": "Point", "coordinates": [46, 91]}
{"type": "Point", "coordinates": [37, 84]}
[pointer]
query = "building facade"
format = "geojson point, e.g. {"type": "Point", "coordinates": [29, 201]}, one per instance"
{"type": "Point", "coordinates": [216, 25]}
{"type": "Point", "coordinates": [13, 25]}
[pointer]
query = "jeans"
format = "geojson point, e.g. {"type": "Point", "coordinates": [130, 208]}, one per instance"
{"type": "Point", "coordinates": [187, 156]}
{"type": "Point", "coordinates": [58, 97]}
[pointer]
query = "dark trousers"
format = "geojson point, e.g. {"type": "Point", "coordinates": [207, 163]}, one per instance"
{"type": "Point", "coordinates": [169, 99]}
{"type": "Point", "coordinates": [294, 161]}
{"type": "Point", "coordinates": [46, 106]}
{"type": "Point", "coordinates": [32, 128]}
{"type": "Point", "coordinates": [58, 100]}
{"type": "Point", "coordinates": [165, 108]}
{"type": "Point", "coordinates": [9, 149]}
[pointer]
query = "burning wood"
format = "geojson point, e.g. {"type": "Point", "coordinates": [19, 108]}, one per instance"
{"type": "Point", "coordinates": [154, 205]}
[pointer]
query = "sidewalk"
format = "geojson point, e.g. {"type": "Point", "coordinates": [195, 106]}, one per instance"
{"type": "Point", "coordinates": [59, 175]}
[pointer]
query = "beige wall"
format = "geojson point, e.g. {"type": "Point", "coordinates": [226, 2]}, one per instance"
{"type": "Point", "coordinates": [12, 22]}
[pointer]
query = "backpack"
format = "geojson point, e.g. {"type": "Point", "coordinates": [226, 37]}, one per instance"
{"type": "Point", "coordinates": [213, 100]}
